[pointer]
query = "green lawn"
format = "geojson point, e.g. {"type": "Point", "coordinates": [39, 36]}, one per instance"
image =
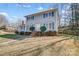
{"type": "Point", "coordinates": [12, 36]}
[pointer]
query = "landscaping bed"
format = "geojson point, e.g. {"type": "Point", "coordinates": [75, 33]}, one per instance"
{"type": "Point", "coordinates": [49, 33]}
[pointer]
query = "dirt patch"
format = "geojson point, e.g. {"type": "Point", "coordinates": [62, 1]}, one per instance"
{"type": "Point", "coordinates": [40, 46]}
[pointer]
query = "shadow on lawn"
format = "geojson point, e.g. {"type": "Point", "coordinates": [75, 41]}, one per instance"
{"type": "Point", "coordinates": [13, 36]}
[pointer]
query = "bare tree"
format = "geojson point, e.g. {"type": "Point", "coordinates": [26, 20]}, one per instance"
{"type": "Point", "coordinates": [3, 20]}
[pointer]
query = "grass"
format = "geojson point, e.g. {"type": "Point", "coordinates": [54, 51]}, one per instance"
{"type": "Point", "coordinates": [12, 36]}
{"type": "Point", "coordinates": [71, 36]}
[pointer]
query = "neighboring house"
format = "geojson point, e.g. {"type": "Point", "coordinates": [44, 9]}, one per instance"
{"type": "Point", "coordinates": [49, 18]}
{"type": "Point", "coordinates": [22, 27]}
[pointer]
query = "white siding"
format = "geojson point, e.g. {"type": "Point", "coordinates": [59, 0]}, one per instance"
{"type": "Point", "coordinates": [39, 20]}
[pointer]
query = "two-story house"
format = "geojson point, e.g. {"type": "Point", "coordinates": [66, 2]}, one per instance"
{"type": "Point", "coordinates": [48, 18]}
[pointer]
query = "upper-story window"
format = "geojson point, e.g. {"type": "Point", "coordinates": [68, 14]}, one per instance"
{"type": "Point", "coordinates": [52, 13]}
{"type": "Point", "coordinates": [43, 15]}
{"type": "Point", "coordinates": [30, 17]}
{"type": "Point", "coordinates": [48, 14]}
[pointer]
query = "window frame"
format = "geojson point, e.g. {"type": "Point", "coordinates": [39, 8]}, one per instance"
{"type": "Point", "coordinates": [53, 25]}
{"type": "Point", "coordinates": [52, 14]}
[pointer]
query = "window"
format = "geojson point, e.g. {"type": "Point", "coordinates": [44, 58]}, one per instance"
{"type": "Point", "coordinates": [32, 17]}
{"type": "Point", "coordinates": [52, 25]}
{"type": "Point", "coordinates": [43, 15]}
{"type": "Point", "coordinates": [28, 18]}
{"type": "Point", "coordinates": [52, 13]}
{"type": "Point", "coordinates": [46, 15]}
